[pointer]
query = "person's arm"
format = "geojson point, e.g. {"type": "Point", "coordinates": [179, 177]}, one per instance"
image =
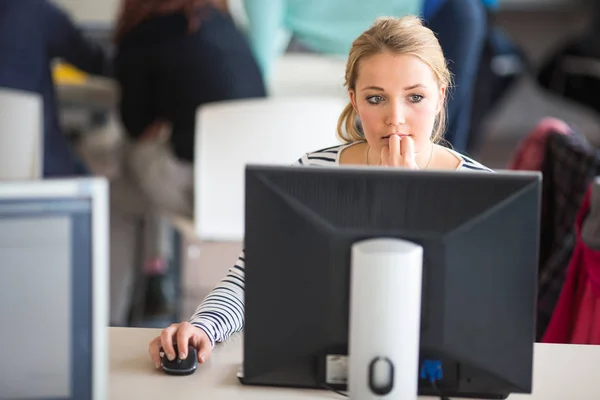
{"type": "Point", "coordinates": [66, 41]}
{"type": "Point", "coordinates": [266, 18]}
{"type": "Point", "coordinates": [221, 313]}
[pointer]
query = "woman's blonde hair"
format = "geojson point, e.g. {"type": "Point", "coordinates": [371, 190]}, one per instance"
{"type": "Point", "coordinates": [405, 35]}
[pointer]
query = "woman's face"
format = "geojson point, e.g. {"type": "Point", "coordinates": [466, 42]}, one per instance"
{"type": "Point", "coordinates": [396, 94]}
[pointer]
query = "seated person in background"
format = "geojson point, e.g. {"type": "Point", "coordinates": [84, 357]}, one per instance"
{"type": "Point", "coordinates": [32, 34]}
{"type": "Point", "coordinates": [328, 27]}
{"type": "Point", "coordinates": [172, 56]}
{"type": "Point", "coordinates": [397, 82]}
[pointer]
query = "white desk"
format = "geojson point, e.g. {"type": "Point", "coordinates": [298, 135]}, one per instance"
{"type": "Point", "coordinates": [561, 373]}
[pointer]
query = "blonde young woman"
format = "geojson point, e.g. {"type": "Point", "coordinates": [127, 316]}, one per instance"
{"type": "Point", "coordinates": [397, 81]}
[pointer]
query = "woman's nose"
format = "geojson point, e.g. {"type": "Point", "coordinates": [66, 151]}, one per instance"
{"type": "Point", "coordinates": [396, 114]}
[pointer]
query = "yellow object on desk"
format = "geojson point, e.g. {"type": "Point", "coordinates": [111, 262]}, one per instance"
{"type": "Point", "coordinates": [66, 74]}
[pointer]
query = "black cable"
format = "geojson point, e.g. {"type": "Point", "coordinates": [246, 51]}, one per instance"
{"type": "Point", "coordinates": [326, 386]}
{"type": "Point", "coordinates": [440, 393]}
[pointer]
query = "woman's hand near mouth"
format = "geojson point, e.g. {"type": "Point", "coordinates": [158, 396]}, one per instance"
{"type": "Point", "coordinates": [399, 152]}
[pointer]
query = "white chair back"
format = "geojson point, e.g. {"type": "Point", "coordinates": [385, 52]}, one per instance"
{"type": "Point", "coordinates": [21, 136]}
{"type": "Point", "coordinates": [231, 134]}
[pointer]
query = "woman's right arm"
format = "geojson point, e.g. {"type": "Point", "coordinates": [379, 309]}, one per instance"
{"type": "Point", "coordinates": [221, 313]}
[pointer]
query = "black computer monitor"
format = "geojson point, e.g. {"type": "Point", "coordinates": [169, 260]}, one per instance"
{"type": "Point", "coordinates": [480, 237]}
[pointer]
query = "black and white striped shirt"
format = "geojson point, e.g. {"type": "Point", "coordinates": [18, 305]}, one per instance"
{"type": "Point", "coordinates": [221, 314]}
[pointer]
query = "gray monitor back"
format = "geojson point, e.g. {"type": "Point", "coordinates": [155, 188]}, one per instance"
{"type": "Point", "coordinates": [54, 289]}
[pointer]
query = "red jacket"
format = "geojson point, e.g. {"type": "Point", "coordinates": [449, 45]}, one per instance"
{"type": "Point", "coordinates": [576, 318]}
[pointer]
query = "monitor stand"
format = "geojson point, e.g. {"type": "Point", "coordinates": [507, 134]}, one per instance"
{"type": "Point", "coordinates": [385, 314]}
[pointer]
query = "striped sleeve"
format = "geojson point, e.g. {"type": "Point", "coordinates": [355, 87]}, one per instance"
{"type": "Point", "coordinates": [221, 313]}
{"type": "Point", "coordinates": [324, 157]}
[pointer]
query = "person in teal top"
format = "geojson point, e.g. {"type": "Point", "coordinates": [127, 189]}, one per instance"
{"type": "Point", "coordinates": [323, 26]}
{"type": "Point", "coordinates": [330, 26]}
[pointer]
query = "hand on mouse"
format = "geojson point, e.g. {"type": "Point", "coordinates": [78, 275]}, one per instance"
{"type": "Point", "coordinates": [183, 334]}
{"type": "Point", "coordinates": [399, 152]}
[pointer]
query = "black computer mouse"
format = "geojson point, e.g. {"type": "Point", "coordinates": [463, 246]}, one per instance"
{"type": "Point", "coordinates": [179, 366]}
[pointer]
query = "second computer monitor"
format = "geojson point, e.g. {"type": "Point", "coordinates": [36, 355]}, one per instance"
{"type": "Point", "coordinates": [54, 289]}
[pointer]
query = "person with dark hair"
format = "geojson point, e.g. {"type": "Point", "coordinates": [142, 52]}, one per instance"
{"type": "Point", "coordinates": [172, 57]}
{"type": "Point", "coordinates": [175, 55]}
{"type": "Point", "coordinates": [33, 33]}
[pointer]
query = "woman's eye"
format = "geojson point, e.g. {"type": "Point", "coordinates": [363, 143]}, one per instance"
{"type": "Point", "coordinates": [374, 99]}
{"type": "Point", "coordinates": [415, 98]}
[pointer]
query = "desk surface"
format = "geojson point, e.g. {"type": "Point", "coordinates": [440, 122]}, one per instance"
{"type": "Point", "coordinates": [561, 372]}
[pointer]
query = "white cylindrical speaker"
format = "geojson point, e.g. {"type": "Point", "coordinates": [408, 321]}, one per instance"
{"type": "Point", "coordinates": [385, 317]}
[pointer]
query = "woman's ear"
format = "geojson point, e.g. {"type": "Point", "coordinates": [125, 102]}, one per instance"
{"type": "Point", "coordinates": [352, 95]}
{"type": "Point", "coordinates": [441, 100]}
